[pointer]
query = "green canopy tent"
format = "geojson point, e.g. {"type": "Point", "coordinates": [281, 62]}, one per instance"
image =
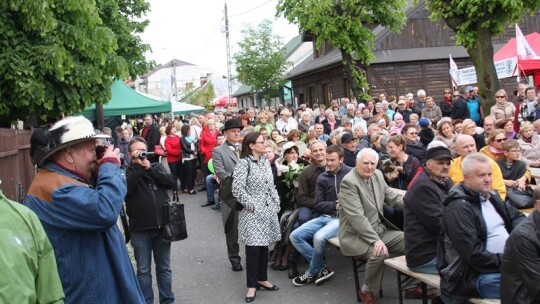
{"type": "Point", "coordinates": [126, 101]}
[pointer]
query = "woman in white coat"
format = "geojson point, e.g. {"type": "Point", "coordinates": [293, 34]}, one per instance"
{"type": "Point", "coordinates": [258, 224]}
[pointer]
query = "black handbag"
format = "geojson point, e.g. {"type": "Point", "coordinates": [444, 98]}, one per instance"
{"type": "Point", "coordinates": [174, 222]}
{"type": "Point", "coordinates": [520, 199]}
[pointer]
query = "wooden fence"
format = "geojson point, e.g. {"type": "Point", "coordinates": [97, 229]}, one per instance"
{"type": "Point", "coordinates": [16, 169]}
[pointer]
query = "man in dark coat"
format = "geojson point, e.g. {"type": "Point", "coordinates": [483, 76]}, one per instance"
{"type": "Point", "coordinates": [520, 272]}
{"type": "Point", "coordinates": [460, 109]}
{"type": "Point", "coordinates": [150, 133]}
{"type": "Point", "coordinates": [423, 208]}
{"type": "Point", "coordinates": [474, 228]}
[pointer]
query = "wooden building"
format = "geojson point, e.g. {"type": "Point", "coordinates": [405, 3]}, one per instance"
{"type": "Point", "coordinates": [415, 58]}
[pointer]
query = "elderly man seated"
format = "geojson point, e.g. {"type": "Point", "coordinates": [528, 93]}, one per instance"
{"type": "Point", "coordinates": [363, 230]}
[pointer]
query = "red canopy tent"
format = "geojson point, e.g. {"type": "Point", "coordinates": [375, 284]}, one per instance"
{"type": "Point", "coordinates": [525, 66]}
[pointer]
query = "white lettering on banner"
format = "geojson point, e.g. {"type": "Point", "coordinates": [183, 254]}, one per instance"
{"type": "Point", "coordinates": [505, 68]}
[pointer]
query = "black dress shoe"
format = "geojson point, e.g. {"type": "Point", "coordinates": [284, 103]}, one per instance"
{"type": "Point", "coordinates": [293, 271]}
{"type": "Point", "coordinates": [272, 288]}
{"type": "Point", "coordinates": [208, 204]}
{"type": "Point", "coordinates": [237, 267]}
{"type": "Point", "coordinates": [251, 299]}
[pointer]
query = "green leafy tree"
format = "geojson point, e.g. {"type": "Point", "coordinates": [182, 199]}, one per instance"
{"type": "Point", "coordinates": [474, 24]}
{"type": "Point", "coordinates": [346, 25]}
{"type": "Point", "coordinates": [261, 61]}
{"type": "Point", "coordinates": [60, 57]}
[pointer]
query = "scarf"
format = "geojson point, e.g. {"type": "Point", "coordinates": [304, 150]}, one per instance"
{"type": "Point", "coordinates": [495, 151]}
{"type": "Point", "coordinates": [527, 140]}
{"type": "Point", "coordinates": [448, 101]}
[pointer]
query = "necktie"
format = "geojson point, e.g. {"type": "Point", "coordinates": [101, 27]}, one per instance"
{"type": "Point", "coordinates": [237, 150]}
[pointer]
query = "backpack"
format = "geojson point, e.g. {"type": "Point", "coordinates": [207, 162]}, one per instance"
{"type": "Point", "coordinates": [226, 194]}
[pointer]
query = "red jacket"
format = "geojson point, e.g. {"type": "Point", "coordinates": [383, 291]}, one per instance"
{"type": "Point", "coordinates": [174, 150]}
{"type": "Point", "coordinates": [207, 142]}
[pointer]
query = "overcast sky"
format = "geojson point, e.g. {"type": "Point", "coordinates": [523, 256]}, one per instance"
{"type": "Point", "coordinates": [191, 31]}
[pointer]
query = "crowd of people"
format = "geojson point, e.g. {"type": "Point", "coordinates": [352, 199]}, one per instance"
{"type": "Point", "coordinates": [303, 176]}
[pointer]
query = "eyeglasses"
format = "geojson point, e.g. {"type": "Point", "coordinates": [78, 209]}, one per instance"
{"type": "Point", "coordinates": [500, 140]}
{"type": "Point", "coordinates": [500, 96]}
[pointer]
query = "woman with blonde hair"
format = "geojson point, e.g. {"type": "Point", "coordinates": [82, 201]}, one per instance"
{"type": "Point", "coordinates": [262, 122]}
{"type": "Point", "coordinates": [469, 127]}
{"type": "Point", "coordinates": [494, 148]}
{"type": "Point", "coordinates": [445, 133]}
{"type": "Point", "coordinates": [530, 145]}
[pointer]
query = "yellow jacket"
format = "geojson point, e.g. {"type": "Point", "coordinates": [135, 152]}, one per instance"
{"type": "Point", "coordinates": [497, 179]}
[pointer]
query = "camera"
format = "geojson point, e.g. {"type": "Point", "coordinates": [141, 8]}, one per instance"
{"type": "Point", "coordinates": [144, 154]}
{"type": "Point", "coordinates": [100, 150]}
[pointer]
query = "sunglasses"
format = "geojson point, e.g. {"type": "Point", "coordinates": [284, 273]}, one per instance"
{"type": "Point", "coordinates": [500, 140]}
{"type": "Point", "coordinates": [500, 96]}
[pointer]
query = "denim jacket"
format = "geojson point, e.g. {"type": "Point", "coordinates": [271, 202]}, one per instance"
{"type": "Point", "coordinates": [80, 221]}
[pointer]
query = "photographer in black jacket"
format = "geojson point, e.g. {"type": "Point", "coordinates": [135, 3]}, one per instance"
{"type": "Point", "coordinates": [147, 185]}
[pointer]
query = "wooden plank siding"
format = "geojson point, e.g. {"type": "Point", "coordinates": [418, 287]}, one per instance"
{"type": "Point", "coordinates": [399, 76]}
{"type": "Point", "coordinates": [15, 164]}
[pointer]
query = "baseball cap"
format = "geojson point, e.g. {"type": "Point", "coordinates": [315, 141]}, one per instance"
{"type": "Point", "coordinates": [470, 88]}
{"type": "Point", "coordinates": [438, 153]}
{"type": "Point", "coordinates": [423, 122]}
{"type": "Point", "coordinates": [347, 137]}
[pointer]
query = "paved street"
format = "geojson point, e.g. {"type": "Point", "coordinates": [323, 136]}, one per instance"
{"type": "Point", "coordinates": [202, 273]}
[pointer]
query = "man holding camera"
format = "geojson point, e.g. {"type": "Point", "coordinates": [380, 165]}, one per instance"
{"type": "Point", "coordinates": [147, 185]}
{"type": "Point", "coordinates": [78, 198]}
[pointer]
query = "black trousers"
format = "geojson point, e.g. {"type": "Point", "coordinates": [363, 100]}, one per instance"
{"type": "Point", "coordinates": [256, 265]}
{"type": "Point", "coordinates": [190, 171]}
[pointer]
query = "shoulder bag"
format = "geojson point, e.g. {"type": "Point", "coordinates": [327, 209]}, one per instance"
{"type": "Point", "coordinates": [174, 222]}
{"type": "Point", "coordinates": [520, 199]}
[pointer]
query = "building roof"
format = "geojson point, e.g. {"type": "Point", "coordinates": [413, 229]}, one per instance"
{"type": "Point", "coordinates": [334, 58]}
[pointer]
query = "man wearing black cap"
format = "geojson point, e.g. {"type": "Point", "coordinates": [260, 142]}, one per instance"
{"type": "Point", "coordinates": [423, 209]}
{"type": "Point", "coordinates": [350, 145]}
{"type": "Point", "coordinates": [225, 158]}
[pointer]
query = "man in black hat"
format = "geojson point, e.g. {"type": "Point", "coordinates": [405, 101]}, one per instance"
{"type": "Point", "coordinates": [423, 209]}
{"type": "Point", "coordinates": [349, 143]}
{"type": "Point", "coordinates": [225, 158]}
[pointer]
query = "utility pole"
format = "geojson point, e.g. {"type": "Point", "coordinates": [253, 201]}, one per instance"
{"type": "Point", "coordinates": [229, 84]}
{"type": "Point", "coordinates": [175, 80]}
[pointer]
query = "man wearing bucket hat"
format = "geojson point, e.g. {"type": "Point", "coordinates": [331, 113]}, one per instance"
{"type": "Point", "coordinates": [77, 197]}
{"type": "Point", "coordinates": [224, 159]}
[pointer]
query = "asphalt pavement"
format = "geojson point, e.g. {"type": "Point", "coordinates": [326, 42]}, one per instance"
{"type": "Point", "coordinates": [202, 272]}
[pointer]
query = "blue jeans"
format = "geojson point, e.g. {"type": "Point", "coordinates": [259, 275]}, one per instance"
{"type": "Point", "coordinates": [210, 182]}
{"type": "Point", "coordinates": [144, 244]}
{"type": "Point", "coordinates": [429, 267]}
{"type": "Point", "coordinates": [320, 229]}
{"type": "Point", "coordinates": [489, 285]}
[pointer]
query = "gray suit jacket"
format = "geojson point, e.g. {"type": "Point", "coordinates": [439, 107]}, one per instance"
{"type": "Point", "coordinates": [360, 212]}
{"type": "Point", "coordinates": [224, 160]}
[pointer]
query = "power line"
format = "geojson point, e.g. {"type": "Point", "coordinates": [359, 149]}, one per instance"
{"type": "Point", "coordinates": [208, 40]}
{"type": "Point", "coordinates": [250, 10]}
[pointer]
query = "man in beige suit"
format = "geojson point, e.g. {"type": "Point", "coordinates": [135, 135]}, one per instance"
{"type": "Point", "coordinates": [363, 230]}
